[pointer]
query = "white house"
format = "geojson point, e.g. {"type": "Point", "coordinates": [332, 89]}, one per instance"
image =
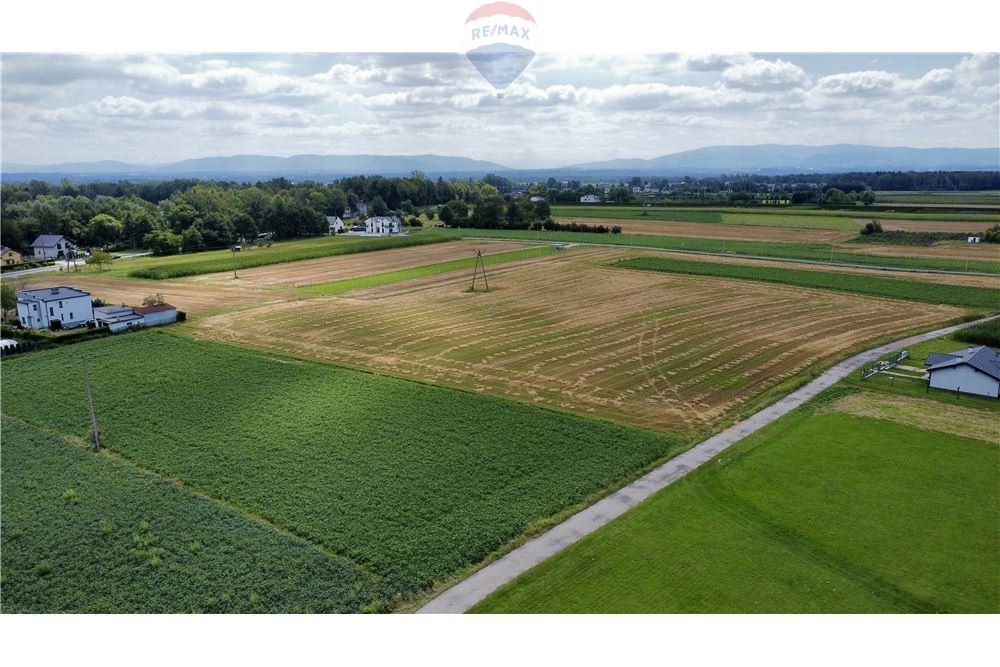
{"type": "Point", "coordinates": [536, 199]}
{"type": "Point", "coordinates": [53, 246]}
{"type": "Point", "coordinates": [336, 224]}
{"type": "Point", "coordinates": [117, 318]}
{"type": "Point", "coordinates": [54, 308]}
{"type": "Point", "coordinates": [974, 370]}
{"type": "Point", "coordinates": [590, 199]}
{"type": "Point", "coordinates": [154, 316]}
{"type": "Point", "coordinates": [383, 224]}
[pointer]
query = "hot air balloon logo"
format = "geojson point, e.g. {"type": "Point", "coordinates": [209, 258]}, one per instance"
{"type": "Point", "coordinates": [500, 37]}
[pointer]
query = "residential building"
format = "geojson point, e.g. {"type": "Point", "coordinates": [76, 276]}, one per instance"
{"type": "Point", "coordinates": [381, 225]}
{"type": "Point", "coordinates": [53, 246]}
{"type": "Point", "coordinates": [336, 225]}
{"type": "Point", "coordinates": [974, 370]}
{"type": "Point", "coordinates": [9, 256]}
{"type": "Point", "coordinates": [590, 199]}
{"type": "Point", "coordinates": [54, 308]}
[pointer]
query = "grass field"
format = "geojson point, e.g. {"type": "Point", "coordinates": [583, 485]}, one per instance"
{"type": "Point", "coordinates": [825, 512]}
{"type": "Point", "coordinates": [982, 198]}
{"type": "Point", "coordinates": [792, 214]}
{"type": "Point", "coordinates": [570, 332]}
{"type": "Point", "coordinates": [89, 533]}
{"type": "Point", "coordinates": [640, 213]}
{"type": "Point", "coordinates": [973, 297]}
{"type": "Point", "coordinates": [821, 252]}
{"type": "Point", "coordinates": [413, 273]}
{"type": "Point", "coordinates": [409, 481]}
{"type": "Point", "coordinates": [215, 261]}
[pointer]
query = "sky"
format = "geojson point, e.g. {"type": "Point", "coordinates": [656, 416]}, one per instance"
{"type": "Point", "coordinates": [561, 110]}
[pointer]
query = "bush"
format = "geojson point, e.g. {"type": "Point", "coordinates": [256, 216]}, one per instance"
{"type": "Point", "coordinates": [873, 227]}
{"type": "Point", "coordinates": [414, 221]}
{"type": "Point", "coordinates": [992, 234]}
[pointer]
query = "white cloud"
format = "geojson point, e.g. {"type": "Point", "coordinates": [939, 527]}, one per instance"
{"type": "Point", "coordinates": [765, 75]}
{"type": "Point", "coordinates": [870, 83]}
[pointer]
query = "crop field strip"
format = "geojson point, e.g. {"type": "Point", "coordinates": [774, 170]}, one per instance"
{"type": "Point", "coordinates": [715, 231]}
{"type": "Point", "coordinates": [818, 252]}
{"type": "Point", "coordinates": [765, 215]}
{"type": "Point", "coordinates": [189, 265]}
{"type": "Point", "coordinates": [389, 474]}
{"type": "Point", "coordinates": [897, 288]}
{"type": "Point", "coordinates": [672, 353]}
{"type": "Point", "coordinates": [426, 270]}
{"type": "Point", "coordinates": [342, 267]}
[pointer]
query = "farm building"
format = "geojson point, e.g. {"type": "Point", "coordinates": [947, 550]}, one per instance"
{"type": "Point", "coordinates": [9, 256]}
{"type": "Point", "coordinates": [590, 199]}
{"type": "Point", "coordinates": [154, 316]}
{"type": "Point", "coordinates": [117, 318]}
{"type": "Point", "coordinates": [54, 308]}
{"type": "Point", "coordinates": [974, 370]}
{"type": "Point", "coordinates": [335, 224]}
{"type": "Point", "coordinates": [383, 224]}
{"type": "Point", "coordinates": [53, 246]}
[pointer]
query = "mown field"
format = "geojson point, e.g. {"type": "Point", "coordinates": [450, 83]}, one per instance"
{"type": "Point", "coordinates": [982, 198]}
{"type": "Point", "coordinates": [572, 332]}
{"type": "Point", "coordinates": [820, 252]}
{"type": "Point", "coordinates": [822, 512]}
{"type": "Point", "coordinates": [408, 481]}
{"type": "Point", "coordinates": [89, 533]}
{"type": "Point", "coordinates": [896, 288]}
{"type": "Point", "coordinates": [777, 219]}
{"type": "Point", "coordinates": [426, 270]}
{"type": "Point", "coordinates": [215, 261]}
{"type": "Point", "coordinates": [773, 216]}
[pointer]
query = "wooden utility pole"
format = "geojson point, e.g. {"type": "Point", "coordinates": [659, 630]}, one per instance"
{"type": "Point", "coordinates": [90, 403]}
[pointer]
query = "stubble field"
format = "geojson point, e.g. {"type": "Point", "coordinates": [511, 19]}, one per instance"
{"type": "Point", "coordinates": [670, 352]}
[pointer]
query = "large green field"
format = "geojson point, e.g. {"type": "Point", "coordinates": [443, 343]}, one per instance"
{"type": "Point", "coordinates": [411, 482]}
{"type": "Point", "coordinates": [990, 198]}
{"type": "Point", "coordinates": [819, 252]}
{"type": "Point", "coordinates": [86, 532]}
{"type": "Point", "coordinates": [217, 261]}
{"type": "Point", "coordinates": [896, 288]}
{"type": "Point", "coordinates": [819, 512]}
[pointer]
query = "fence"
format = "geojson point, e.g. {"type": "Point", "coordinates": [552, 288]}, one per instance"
{"type": "Point", "coordinates": [884, 364]}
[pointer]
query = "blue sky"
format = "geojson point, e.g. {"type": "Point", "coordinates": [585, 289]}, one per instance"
{"type": "Point", "coordinates": [148, 108]}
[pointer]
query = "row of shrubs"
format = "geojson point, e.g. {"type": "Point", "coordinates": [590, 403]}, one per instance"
{"type": "Point", "coordinates": [897, 237]}
{"type": "Point", "coordinates": [23, 266]}
{"type": "Point", "coordinates": [987, 333]}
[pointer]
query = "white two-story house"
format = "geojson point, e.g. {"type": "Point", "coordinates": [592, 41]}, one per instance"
{"type": "Point", "coordinates": [53, 246]}
{"type": "Point", "coordinates": [54, 308]}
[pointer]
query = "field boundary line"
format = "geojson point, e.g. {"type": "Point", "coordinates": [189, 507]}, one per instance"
{"type": "Point", "coordinates": [465, 594]}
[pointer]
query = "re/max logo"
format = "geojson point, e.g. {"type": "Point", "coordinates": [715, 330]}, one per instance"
{"type": "Point", "coordinates": [500, 30]}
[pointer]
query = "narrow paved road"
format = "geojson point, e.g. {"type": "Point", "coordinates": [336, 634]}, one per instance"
{"type": "Point", "coordinates": [465, 594]}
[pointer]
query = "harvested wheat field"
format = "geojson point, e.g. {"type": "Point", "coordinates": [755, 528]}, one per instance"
{"type": "Point", "coordinates": [985, 252]}
{"type": "Point", "coordinates": [340, 267]}
{"type": "Point", "coordinates": [715, 230]}
{"type": "Point", "coordinates": [568, 331]}
{"type": "Point", "coordinates": [193, 299]}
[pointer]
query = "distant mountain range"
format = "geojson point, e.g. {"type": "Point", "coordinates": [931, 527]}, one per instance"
{"type": "Point", "coordinates": [792, 159]}
{"type": "Point", "coordinates": [711, 160]}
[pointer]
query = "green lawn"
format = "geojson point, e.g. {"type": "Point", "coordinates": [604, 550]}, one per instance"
{"type": "Point", "coordinates": [815, 513]}
{"type": "Point", "coordinates": [215, 261]}
{"type": "Point", "coordinates": [88, 533]}
{"type": "Point", "coordinates": [822, 252]}
{"type": "Point", "coordinates": [401, 275]}
{"type": "Point", "coordinates": [896, 288]}
{"type": "Point", "coordinates": [410, 481]}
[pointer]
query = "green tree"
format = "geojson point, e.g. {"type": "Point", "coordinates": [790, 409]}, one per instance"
{"type": "Point", "coordinates": [867, 197]}
{"type": "Point", "coordinates": [99, 258]}
{"type": "Point", "coordinates": [379, 207]}
{"type": "Point", "coordinates": [8, 297]}
{"type": "Point", "coordinates": [192, 240]}
{"type": "Point", "coordinates": [163, 242]}
{"type": "Point", "coordinates": [447, 216]}
{"type": "Point", "coordinates": [103, 230]}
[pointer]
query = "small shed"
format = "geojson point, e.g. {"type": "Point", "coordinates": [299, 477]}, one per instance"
{"type": "Point", "coordinates": [117, 318]}
{"type": "Point", "coordinates": [154, 316]}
